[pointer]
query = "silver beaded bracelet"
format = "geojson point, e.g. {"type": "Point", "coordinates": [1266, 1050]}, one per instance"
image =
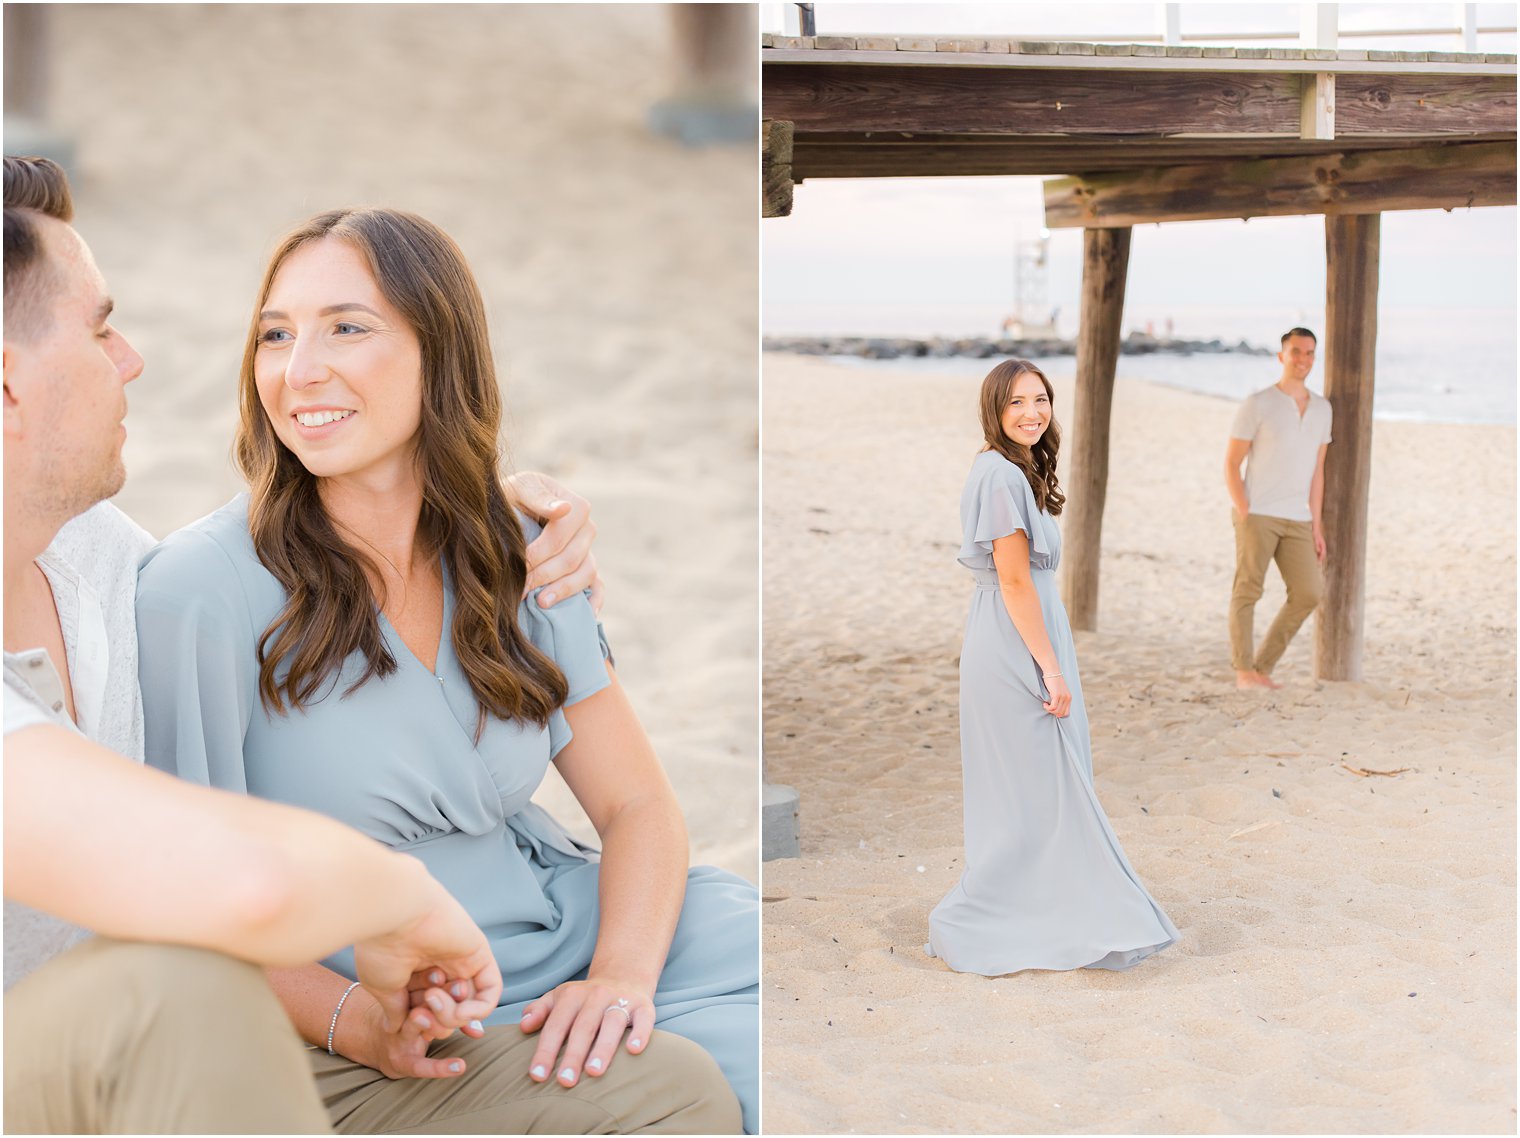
{"type": "Point", "coordinates": [333, 1026]}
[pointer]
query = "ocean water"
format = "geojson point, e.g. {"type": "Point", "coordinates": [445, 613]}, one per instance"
{"type": "Point", "coordinates": [1433, 365]}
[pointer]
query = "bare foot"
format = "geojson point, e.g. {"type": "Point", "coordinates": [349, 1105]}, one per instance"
{"type": "Point", "coordinates": [1267, 681]}
{"type": "Point", "coordinates": [1245, 680]}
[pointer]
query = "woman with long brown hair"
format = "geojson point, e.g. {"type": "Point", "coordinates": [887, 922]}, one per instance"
{"type": "Point", "coordinates": [353, 636]}
{"type": "Point", "coordinates": [1046, 884]}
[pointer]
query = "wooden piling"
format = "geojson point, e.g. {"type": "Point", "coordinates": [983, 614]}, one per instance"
{"type": "Point", "coordinates": [1105, 264]}
{"type": "Point", "coordinates": [775, 168]}
{"type": "Point", "coordinates": [1351, 288]}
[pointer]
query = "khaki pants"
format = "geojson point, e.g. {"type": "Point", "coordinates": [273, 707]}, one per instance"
{"type": "Point", "coordinates": [121, 1038]}
{"type": "Point", "coordinates": [117, 1037]}
{"type": "Point", "coordinates": [1259, 541]}
{"type": "Point", "coordinates": [672, 1087]}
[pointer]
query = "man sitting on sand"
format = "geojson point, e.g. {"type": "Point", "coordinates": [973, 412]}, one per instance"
{"type": "Point", "coordinates": [131, 1036]}
{"type": "Point", "coordinates": [1280, 433]}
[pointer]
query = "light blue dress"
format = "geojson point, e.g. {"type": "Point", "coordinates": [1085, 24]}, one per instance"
{"type": "Point", "coordinates": [1046, 883]}
{"type": "Point", "coordinates": [397, 760]}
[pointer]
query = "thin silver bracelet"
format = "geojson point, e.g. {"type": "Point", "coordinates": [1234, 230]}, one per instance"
{"type": "Point", "coordinates": [1052, 675]}
{"type": "Point", "coordinates": [333, 1026]}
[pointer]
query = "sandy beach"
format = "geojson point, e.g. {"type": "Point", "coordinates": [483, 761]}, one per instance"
{"type": "Point", "coordinates": [1346, 962]}
{"type": "Point", "coordinates": [619, 271]}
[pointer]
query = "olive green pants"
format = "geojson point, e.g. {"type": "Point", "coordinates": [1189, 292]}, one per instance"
{"type": "Point", "coordinates": [123, 1038]}
{"type": "Point", "coordinates": [1259, 541]}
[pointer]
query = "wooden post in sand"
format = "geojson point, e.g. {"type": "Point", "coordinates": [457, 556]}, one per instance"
{"type": "Point", "coordinates": [1351, 287]}
{"type": "Point", "coordinates": [1105, 263]}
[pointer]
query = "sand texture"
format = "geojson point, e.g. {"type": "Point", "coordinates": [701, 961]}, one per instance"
{"type": "Point", "coordinates": [619, 271]}
{"type": "Point", "coordinates": [1347, 954]}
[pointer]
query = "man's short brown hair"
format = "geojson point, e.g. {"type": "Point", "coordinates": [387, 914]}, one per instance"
{"type": "Point", "coordinates": [33, 186]}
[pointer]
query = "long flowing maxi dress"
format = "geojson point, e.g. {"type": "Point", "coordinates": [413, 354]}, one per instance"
{"type": "Point", "coordinates": [397, 759]}
{"type": "Point", "coordinates": [1046, 884]}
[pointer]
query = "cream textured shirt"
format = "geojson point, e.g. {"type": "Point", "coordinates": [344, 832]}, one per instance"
{"type": "Point", "coordinates": [1284, 449]}
{"type": "Point", "coordinates": [91, 567]}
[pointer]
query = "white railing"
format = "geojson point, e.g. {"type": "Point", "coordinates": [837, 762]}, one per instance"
{"type": "Point", "coordinates": [1318, 28]}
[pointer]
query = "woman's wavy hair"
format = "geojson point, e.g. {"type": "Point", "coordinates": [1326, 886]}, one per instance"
{"type": "Point", "coordinates": [466, 516]}
{"type": "Point", "coordinates": [1037, 462]}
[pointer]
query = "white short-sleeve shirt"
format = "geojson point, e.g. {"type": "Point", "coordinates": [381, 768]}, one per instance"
{"type": "Point", "coordinates": [91, 567]}
{"type": "Point", "coordinates": [1284, 449]}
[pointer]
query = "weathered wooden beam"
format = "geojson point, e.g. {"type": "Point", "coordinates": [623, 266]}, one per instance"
{"type": "Point", "coordinates": [1105, 266]}
{"type": "Point", "coordinates": [895, 155]}
{"type": "Point", "coordinates": [1428, 177]}
{"type": "Point", "coordinates": [1317, 113]}
{"type": "Point", "coordinates": [841, 97]}
{"type": "Point", "coordinates": [1351, 290]}
{"type": "Point", "coordinates": [776, 169]}
{"type": "Point", "coordinates": [1059, 100]}
{"type": "Point", "coordinates": [1423, 104]}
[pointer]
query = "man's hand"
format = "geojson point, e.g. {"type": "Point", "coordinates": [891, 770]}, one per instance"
{"type": "Point", "coordinates": [560, 558]}
{"type": "Point", "coordinates": [396, 966]}
{"type": "Point", "coordinates": [1319, 543]}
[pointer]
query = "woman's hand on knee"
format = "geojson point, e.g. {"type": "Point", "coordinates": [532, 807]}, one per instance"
{"type": "Point", "coordinates": [580, 1025]}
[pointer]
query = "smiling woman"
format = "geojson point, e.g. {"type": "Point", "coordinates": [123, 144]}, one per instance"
{"type": "Point", "coordinates": [1046, 883]}
{"type": "Point", "coordinates": [356, 636]}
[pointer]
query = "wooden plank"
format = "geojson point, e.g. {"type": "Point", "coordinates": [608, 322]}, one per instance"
{"type": "Point", "coordinates": [1351, 291]}
{"type": "Point", "coordinates": [1318, 111]}
{"type": "Point", "coordinates": [776, 168]}
{"type": "Point", "coordinates": [876, 43]}
{"type": "Point", "coordinates": [837, 97]}
{"type": "Point", "coordinates": [1422, 104]}
{"type": "Point", "coordinates": [915, 43]}
{"type": "Point", "coordinates": [1142, 57]}
{"type": "Point", "coordinates": [1431, 177]}
{"type": "Point", "coordinates": [913, 156]}
{"type": "Point", "coordinates": [1105, 266]}
{"type": "Point", "coordinates": [834, 43]}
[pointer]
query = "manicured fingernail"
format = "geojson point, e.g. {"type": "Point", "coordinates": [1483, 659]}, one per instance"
{"type": "Point", "coordinates": [539, 1072]}
{"type": "Point", "coordinates": [435, 977]}
{"type": "Point", "coordinates": [593, 1065]}
{"type": "Point", "coordinates": [475, 1025]}
{"type": "Point", "coordinates": [456, 1066]}
{"type": "Point", "coordinates": [436, 1004]}
{"type": "Point", "coordinates": [547, 599]}
{"type": "Point", "coordinates": [458, 991]}
{"type": "Point", "coordinates": [567, 1075]}
{"type": "Point", "coordinates": [635, 1044]}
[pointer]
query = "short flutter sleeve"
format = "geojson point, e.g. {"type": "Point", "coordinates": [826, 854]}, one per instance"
{"type": "Point", "coordinates": [997, 502]}
{"type": "Point", "coordinates": [570, 635]}
{"type": "Point", "coordinates": [197, 661]}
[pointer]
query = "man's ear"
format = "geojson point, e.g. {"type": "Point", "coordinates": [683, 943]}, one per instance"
{"type": "Point", "coordinates": [13, 416]}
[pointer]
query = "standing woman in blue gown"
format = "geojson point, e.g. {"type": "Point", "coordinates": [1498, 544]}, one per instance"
{"type": "Point", "coordinates": [353, 636]}
{"type": "Point", "coordinates": [1046, 884]}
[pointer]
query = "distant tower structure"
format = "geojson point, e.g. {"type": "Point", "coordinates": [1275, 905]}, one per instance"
{"type": "Point", "coordinates": [1032, 314]}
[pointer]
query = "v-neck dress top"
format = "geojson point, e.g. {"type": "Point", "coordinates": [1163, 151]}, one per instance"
{"type": "Point", "coordinates": [397, 759]}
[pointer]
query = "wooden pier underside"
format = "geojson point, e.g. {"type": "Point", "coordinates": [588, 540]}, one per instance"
{"type": "Point", "coordinates": [1135, 134]}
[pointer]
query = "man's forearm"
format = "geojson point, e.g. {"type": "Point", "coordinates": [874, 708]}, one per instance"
{"type": "Point", "coordinates": [130, 852]}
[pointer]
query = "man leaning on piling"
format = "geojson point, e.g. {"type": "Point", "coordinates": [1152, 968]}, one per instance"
{"type": "Point", "coordinates": [1280, 433]}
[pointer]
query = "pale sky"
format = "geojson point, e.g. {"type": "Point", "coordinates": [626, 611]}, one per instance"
{"type": "Point", "coordinates": [950, 241]}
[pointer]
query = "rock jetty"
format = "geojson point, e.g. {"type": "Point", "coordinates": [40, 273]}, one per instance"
{"type": "Point", "coordinates": [881, 348]}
